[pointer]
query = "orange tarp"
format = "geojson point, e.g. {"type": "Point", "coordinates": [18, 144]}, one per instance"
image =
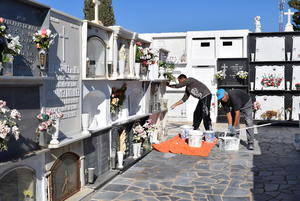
{"type": "Point", "coordinates": [177, 145]}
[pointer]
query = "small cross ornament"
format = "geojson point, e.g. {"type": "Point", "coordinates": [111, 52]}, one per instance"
{"type": "Point", "coordinates": [97, 4]}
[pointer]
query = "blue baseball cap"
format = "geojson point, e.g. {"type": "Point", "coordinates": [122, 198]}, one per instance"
{"type": "Point", "coordinates": [220, 93]}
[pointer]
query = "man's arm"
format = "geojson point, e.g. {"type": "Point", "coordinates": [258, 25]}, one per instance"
{"type": "Point", "coordinates": [236, 118]}
{"type": "Point", "coordinates": [180, 85]}
{"type": "Point", "coordinates": [184, 98]}
{"type": "Point", "coordinates": [229, 118]}
{"type": "Point", "coordinates": [176, 104]}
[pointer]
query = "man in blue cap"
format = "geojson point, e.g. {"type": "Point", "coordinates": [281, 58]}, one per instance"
{"type": "Point", "coordinates": [239, 102]}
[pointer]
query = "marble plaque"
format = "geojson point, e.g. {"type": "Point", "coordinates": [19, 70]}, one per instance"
{"type": "Point", "coordinates": [269, 78]}
{"type": "Point", "coordinates": [296, 108]}
{"type": "Point", "coordinates": [270, 49]}
{"type": "Point", "coordinates": [296, 48]}
{"type": "Point", "coordinates": [296, 76]}
{"type": "Point", "coordinates": [271, 107]}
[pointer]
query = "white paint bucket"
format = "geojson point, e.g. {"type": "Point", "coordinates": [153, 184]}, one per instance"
{"type": "Point", "coordinates": [185, 129]}
{"type": "Point", "coordinates": [195, 138]}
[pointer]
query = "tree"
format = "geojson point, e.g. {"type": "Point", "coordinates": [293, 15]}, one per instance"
{"type": "Point", "coordinates": [296, 17]}
{"type": "Point", "coordinates": [106, 12]}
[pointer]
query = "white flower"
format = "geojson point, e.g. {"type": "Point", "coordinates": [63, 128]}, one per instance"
{"type": "Point", "coordinates": [4, 130]}
{"type": "Point", "coordinates": [16, 132]}
{"type": "Point", "coordinates": [48, 31]}
{"type": "Point", "coordinates": [15, 114]}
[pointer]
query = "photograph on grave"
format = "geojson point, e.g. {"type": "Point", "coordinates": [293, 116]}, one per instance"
{"type": "Point", "coordinates": [270, 49]}
{"type": "Point", "coordinates": [271, 107]}
{"type": "Point", "coordinates": [270, 77]}
{"type": "Point", "coordinates": [18, 184]}
{"type": "Point", "coordinates": [296, 78]}
{"type": "Point", "coordinates": [96, 57]}
{"type": "Point", "coordinates": [295, 108]}
{"type": "Point", "coordinates": [296, 49]}
{"type": "Point", "coordinates": [232, 72]}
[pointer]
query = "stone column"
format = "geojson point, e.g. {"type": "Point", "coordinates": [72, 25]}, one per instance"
{"type": "Point", "coordinates": [131, 58]}
{"type": "Point", "coordinates": [115, 56]}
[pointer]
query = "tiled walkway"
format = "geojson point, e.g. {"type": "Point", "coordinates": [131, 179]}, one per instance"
{"type": "Point", "coordinates": [270, 172]}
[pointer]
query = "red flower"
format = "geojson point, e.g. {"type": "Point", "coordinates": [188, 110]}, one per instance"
{"type": "Point", "coordinates": [44, 32]}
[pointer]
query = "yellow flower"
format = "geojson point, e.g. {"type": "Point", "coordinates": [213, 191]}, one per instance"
{"type": "Point", "coordinates": [27, 193]}
{"type": "Point", "coordinates": [115, 101]}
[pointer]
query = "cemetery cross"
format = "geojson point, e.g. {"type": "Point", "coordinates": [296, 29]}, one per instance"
{"type": "Point", "coordinates": [63, 36]}
{"type": "Point", "coordinates": [289, 26]}
{"type": "Point", "coordinates": [97, 4]}
{"type": "Point", "coordinates": [224, 67]}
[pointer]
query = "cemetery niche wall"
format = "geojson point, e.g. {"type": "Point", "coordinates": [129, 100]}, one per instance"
{"type": "Point", "coordinates": [232, 73]}
{"type": "Point", "coordinates": [273, 75]}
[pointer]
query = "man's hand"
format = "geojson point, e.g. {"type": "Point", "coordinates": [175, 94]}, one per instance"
{"type": "Point", "coordinates": [173, 106]}
{"type": "Point", "coordinates": [232, 129]}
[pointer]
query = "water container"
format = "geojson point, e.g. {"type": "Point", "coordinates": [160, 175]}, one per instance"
{"type": "Point", "coordinates": [209, 136]}
{"type": "Point", "coordinates": [185, 131]}
{"type": "Point", "coordinates": [195, 138]}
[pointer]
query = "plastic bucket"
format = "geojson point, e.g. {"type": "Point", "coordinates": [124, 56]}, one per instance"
{"type": "Point", "coordinates": [209, 136]}
{"type": "Point", "coordinates": [195, 138]}
{"type": "Point", "coordinates": [229, 143]}
{"type": "Point", "coordinates": [185, 129]}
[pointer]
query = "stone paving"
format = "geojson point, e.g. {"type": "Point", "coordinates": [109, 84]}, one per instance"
{"type": "Point", "coordinates": [270, 172]}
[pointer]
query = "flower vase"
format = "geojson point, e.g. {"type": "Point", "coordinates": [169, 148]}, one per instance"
{"type": "Point", "coordinates": [120, 159]}
{"type": "Point", "coordinates": [146, 145]}
{"type": "Point", "coordinates": [139, 149]}
{"type": "Point", "coordinates": [85, 124]}
{"type": "Point", "coordinates": [8, 67]}
{"type": "Point", "coordinates": [137, 67]}
{"type": "Point", "coordinates": [136, 150]}
{"type": "Point", "coordinates": [161, 73]}
{"type": "Point", "coordinates": [55, 135]}
{"type": "Point", "coordinates": [121, 68]}
{"type": "Point", "coordinates": [144, 72]}
{"type": "Point", "coordinates": [153, 137]}
{"type": "Point", "coordinates": [43, 61]}
{"type": "Point", "coordinates": [42, 138]}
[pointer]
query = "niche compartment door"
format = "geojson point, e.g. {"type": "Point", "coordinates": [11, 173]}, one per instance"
{"type": "Point", "coordinates": [296, 76]}
{"type": "Point", "coordinates": [296, 108]}
{"type": "Point", "coordinates": [270, 103]}
{"type": "Point", "coordinates": [296, 48]}
{"type": "Point", "coordinates": [270, 49]}
{"type": "Point", "coordinates": [261, 71]}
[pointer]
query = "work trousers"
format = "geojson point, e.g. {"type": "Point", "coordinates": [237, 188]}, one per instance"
{"type": "Point", "coordinates": [202, 111]}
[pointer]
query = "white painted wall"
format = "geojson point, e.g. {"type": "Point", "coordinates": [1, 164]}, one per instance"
{"type": "Point", "coordinates": [202, 49]}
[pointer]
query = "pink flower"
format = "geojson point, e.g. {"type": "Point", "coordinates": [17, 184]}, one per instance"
{"type": "Point", "coordinates": [38, 46]}
{"type": "Point", "coordinates": [2, 103]}
{"type": "Point", "coordinates": [138, 43]}
{"type": "Point", "coordinates": [44, 32]}
{"type": "Point", "coordinates": [1, 19]}
{"type": "Point", "coordinates": [15, 114]}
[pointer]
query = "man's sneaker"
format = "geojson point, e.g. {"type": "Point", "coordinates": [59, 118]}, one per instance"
{"type": "Point", "coordinates": [250, 146]}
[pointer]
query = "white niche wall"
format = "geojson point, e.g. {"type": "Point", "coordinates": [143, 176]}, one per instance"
{"type": "Point", "coordinates": [276, 71]}
{"type": "Point", "coordinates": [96, 104]}
{"type": "Point", "coordinates": [296, 108]}
{"type": "Point", "coordinates": [270, 103]}
{"type": "Point", "coordinates": [270, 49]}
{"type": "Point", "coordinates": [296, 48]}
{"type": "Point", "coordinates": [136, 99]}
{"type": "Point", "coordinates": [296, 76]}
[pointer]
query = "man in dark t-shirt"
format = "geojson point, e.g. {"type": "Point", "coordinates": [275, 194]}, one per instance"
{"type": "Point", "coordinates": [239, 102]}
{"type": "Point", "coordinates": [198, 90]}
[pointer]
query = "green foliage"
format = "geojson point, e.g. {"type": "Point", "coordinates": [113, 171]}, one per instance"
{"type": "Point", "coordinates": [106, 12]}
{"type": "Point", "coordinates": [167, 65]}
{"type": "Point", "coordinates": [296, 17]}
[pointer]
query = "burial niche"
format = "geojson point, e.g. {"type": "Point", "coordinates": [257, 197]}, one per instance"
{"type": "Point", "coordinates": [64, 178]}
{"type": "Point", "coordinates": [94, 105]}
{"type": "Point", "coordinates": [18, 184]}
{"type": "Point", "coordinates": [96, 57]}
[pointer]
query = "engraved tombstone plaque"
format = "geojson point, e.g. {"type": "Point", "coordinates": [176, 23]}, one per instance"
{"type": "Point", "coordinates": [272, 108]}
{"type": "Point", "coordinates": [269, 78]}
{"type": "Point", "coordinates": [270, 49]}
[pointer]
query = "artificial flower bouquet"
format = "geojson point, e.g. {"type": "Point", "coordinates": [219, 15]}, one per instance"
{"type": "Point", "coordinates": [149, 126]}
{"type": "Point", "coordinates": [139, 133]}
{"type": "Point", "coordinates": [242, 75]}
{"type": "Point", "coordinates": [138, 52]}
{"type": "Point", "coordinates": [271, 80]}
{"type": "Point", "coordinates": [43, 39]}
{"type": "Point", "coordinates": [269, 114]}
{"type": "Point", "coordinates": [8, 125]}
{"type": "Point", "coordinates": [256, 106]}
{"type": "Point", "coordinates": [168, 67]}
{"type": "Point", "coordinates": [297, 85]}
{"type": "Point", "coordinates": [117, 99]}
{"type": "Point", "coordinates": [146, 56]}
{"type": "Point", "coordinates": [47, 121]}
{"type": "Point", "coordinates": [220, 75]}
{"type": "Point", "coordinates": [11, 46]}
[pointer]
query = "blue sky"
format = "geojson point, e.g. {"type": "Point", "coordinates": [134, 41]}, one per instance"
{"type": "Point", "coordinates": [183, 15]}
